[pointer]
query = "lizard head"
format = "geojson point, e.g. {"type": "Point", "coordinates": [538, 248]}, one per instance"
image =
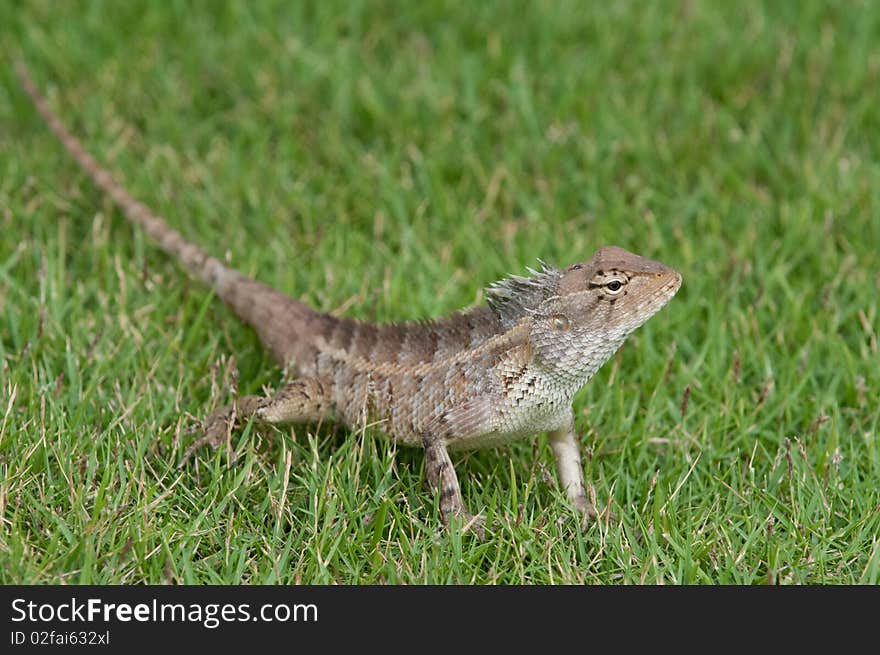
{"type": "Point", "coordinates": [582, 314]}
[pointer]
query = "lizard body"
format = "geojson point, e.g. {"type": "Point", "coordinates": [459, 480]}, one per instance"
{"type": "Point", "coordinates": [478, 378]}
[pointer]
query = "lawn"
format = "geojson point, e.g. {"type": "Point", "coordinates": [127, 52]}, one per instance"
{"type": "Point", "coordinates": [389, 161]}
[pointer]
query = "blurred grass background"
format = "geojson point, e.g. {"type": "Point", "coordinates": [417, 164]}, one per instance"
{"type": "Point", "coordinates": [389, 160]}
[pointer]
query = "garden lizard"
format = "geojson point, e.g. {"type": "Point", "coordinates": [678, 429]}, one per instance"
{"type": "Point", "coordinates": [481, 377]}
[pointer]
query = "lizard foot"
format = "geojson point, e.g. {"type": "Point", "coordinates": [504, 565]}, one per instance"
{"type": "Point", "coordinates": [218, 427]}
{"type": "Point", "coordinates": [589, 512]}
{"type": "Point", "coordinates": [473, 523]}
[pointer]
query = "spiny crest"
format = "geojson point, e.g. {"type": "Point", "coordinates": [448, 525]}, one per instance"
{"type": "Point", "coordinates": [516, 296]}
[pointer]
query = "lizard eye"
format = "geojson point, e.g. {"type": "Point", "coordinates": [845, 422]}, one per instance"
{"type": "Point", "coordinates": [614, 287]}
{"type": "Point", "coordinates": [560, 322]}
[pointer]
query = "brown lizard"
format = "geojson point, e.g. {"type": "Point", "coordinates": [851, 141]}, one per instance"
{"type": "Point", "coordinates": [478, 378]}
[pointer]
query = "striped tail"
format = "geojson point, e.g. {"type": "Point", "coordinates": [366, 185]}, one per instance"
{"type": "Point", "coordinates": [276, 317]}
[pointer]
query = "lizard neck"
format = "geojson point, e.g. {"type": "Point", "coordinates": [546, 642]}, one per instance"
{"type": "Point", "coordinates": [571, 363]}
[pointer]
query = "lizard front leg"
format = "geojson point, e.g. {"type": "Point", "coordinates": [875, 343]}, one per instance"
{"type": "Point", "coordinates": [306, 400]}
{"type": "Point", "coordinates": [443, 481]}
{"type": "Point", "coordinates": [567, 454]}
{"type": "Point", "coordinates": [455, 425]}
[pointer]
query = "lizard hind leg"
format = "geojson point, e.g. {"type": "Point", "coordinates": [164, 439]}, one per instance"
{"type": "Point", "coordinates": [306, 400]}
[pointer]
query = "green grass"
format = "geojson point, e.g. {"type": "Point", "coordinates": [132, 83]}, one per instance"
{"type": "Point", "coordinates": [390, 160]}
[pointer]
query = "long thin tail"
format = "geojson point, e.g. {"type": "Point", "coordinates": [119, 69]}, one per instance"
{"type": "Point", "coordinates": [170, 240]}
{"type": "Point", "coordinates": [276, 318]}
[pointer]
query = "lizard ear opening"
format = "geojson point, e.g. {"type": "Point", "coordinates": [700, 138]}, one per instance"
{"type": "Point", "coordinates": [560, 322]}
{"type": "Point", "coordinates": [515, 296]}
